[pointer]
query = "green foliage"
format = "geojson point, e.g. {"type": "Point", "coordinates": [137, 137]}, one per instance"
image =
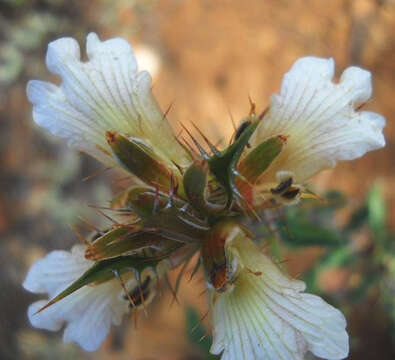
{"type": "Point", "coordinates": [373, 264]}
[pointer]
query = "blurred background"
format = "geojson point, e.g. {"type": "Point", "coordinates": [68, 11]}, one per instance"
{"type": "Point", "coordinates": [206, 58]}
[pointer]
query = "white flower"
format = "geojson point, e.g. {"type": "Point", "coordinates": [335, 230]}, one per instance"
{"type": "Point", "coordinates": [266, 315]}
{"type": "Point", "coordinates": [88, 312]}
{"type": "Point", "coordinates": [104, 93]}
{"type": "Point", "coordinates": [318, 118]}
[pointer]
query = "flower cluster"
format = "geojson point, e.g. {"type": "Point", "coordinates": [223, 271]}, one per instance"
{"type": "Point", "coordinates": [188, 199]}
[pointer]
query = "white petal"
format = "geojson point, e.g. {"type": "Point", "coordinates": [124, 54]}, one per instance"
{"type": "Point", "coordinates": [319, 119]}
{"type": "Point", "coordinates": [268, 316]}
{"type": "Point", "coordinates": [88, 312]}
{"type": "Point", "coordinates": [104, 93]}
{"type": "Point", "coordinates": [56, 271]}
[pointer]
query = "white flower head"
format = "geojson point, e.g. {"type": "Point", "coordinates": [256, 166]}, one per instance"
{"type": "Point", "coordinates": [266, 315]}
{"type": "Point", "coordinates": [89, 312]}
{"type": "Point", "coordinates": [318, 118]}
{"type": "Point", "coordinates": [104, 93]}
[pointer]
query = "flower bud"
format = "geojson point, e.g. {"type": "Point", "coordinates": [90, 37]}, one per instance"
{"type": "Point", "coordinates": [140, 160]}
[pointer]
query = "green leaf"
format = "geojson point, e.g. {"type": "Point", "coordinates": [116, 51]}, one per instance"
{"type": "Point", "coordinates": [358, 218]}
{"type": "Point", "coordinates": [301, 231]}
{"type": "Point", "coordinates": [107, 269]}
{"type": "Point", "coordinates": [335, 258]}
{"type": "Point", "coordinates": [377, 211]}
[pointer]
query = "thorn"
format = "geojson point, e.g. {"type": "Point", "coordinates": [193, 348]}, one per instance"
{"type": "Point", "coordinates": [202, 293]}
{"type": "Point", "coordinates": [179, 168]}
{"type": "Point", "coordinates": [208, 142]}
{"type": "Point", "coordinates": [179, 276]}
{"type": "Point", "coordinates": [203, 337]}
{"type": "Point", "coordinates": [47, 305]}
{"type": "Point", "coordinates": [185, 145]}
{"type": "Point", "coordinates": [199, 147]}
{"type": "Point", "coordinates": [179, 133]}
{"type": "Point", "coordinates": [142, 298]}
{"type": "Point", "coordinates": [116, 274]}
{"type": "Point", "coordinates": [359, 107]}
{"type": "Point", "coordinates": [231, 119]}
{"type": "Point", "coordinates": [263, 113]}
{"type": "Point", "coordinates": [250, 207]}
{"type": "Point", "coordinates": [87, 222]}
{"type": "Point", "coordinates": [119, 180]}
{"type": "Point", "coordinates": [188, 146]}
{"type": "Point", "coordinates": [167, 110]}
{"type": "Point", "coordinates": [173, 190]}
{"type": "Point", "coordinates": [252, 106]}
{"type": "Point", "coordinates": [97, 173]}
{"type": "Point", "coordinates": [107, 217]}
{"type": "Point", "coordinates": [171, 289]}
{"type": "Point", "coordinates": [82, 238]}
{"type": "Point", "coordinates": [195, 269]}
{"type": "Point", "coordinates": [200, 321]}
{"type": "Point", "coordinates": [119, 210]}
{"type": "Point", "coordinates": [102, 149]}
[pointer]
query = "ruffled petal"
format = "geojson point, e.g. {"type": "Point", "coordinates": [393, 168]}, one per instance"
{"type": "Point", "coordinates": [56, 271]}
{"type": "Point", "coordinates": [88, 312]}
{"type": "Point", "coordinates": [319, 119]}
{"type": "Point", "coordinates": [105, 93]}
{"type": "Point", "coordinates": [267, 316]}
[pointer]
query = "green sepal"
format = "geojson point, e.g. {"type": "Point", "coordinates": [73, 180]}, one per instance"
{"type": "Point", "coordinates": [224, 164]}
{"type": "Point", "coordinates": [195, 185]}
{"type": "Point", "coordinates": [140, 160]}
{"type": "Point", "coordinates": [145, 202]}
{"type": "Point", "coordinates": [110, 235]}
{"type": "Point", "coordinates": [108, 269]}
{"type": "Point", "coordinates": [176, 224]}
{"type": "Point", "coordinates": [259, 159]}
{"type": "Point", "coordinates": [129, 243]}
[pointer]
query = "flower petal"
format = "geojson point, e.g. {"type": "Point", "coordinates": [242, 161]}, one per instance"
{"type": "Point", "coordinates": [106, 93]}
{"type": "Point", "coordinates": [88, 312]}
{"type": "Point", "coordinates": [266, 316]}
{"type": "Point", "coordinates": [319, 120]}
{"type": "Point", "coordinates": [56, 271]}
